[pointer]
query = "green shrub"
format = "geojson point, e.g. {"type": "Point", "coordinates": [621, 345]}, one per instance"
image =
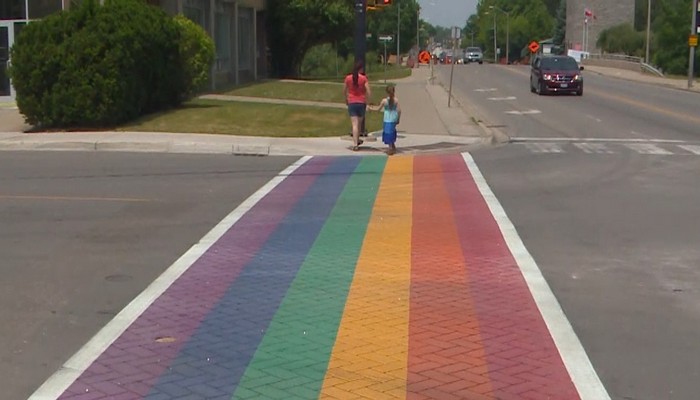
{"type": "Point", "coordinates": [197, 54]}
{"type": "Point", "coordinates": [97, 65]}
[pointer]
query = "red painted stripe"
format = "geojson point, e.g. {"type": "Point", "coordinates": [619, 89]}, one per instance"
{"type": "Point", "coordinates": [523, 360]}
{"type": "Point", "coordinates": [446, 358]}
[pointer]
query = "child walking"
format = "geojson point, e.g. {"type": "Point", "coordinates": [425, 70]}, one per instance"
{"type": "Point", "coordinates": [392, 117]}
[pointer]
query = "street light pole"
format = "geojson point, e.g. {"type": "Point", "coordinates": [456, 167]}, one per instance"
{"type": "Point", "coordinates": [507, 29]}
{"type": "Point", "coordinates": [495, 45]}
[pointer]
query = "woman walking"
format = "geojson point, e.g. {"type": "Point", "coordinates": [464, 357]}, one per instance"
{"type": "Point", "coordinates": [356, 93]}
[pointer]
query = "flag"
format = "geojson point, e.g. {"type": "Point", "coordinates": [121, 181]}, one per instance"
{"type": "Point", "coordinates": [588, 13]}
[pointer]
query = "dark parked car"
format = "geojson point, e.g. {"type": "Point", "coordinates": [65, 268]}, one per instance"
{"type": "Point", "coordinates": [556, 74]}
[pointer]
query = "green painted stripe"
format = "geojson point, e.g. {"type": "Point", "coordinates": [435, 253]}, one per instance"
{"type": "Point", "coordinates": [292, 358]}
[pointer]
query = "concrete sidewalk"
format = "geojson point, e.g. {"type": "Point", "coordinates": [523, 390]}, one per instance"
{"type": "Point", "coordinates": [427, 125]}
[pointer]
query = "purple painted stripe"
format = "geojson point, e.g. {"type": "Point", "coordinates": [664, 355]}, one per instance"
{"type": "Point", "coordinates": [135, 360]}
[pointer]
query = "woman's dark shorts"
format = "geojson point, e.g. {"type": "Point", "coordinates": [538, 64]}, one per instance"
{"type": "Point", "coordinates": [357, 109]}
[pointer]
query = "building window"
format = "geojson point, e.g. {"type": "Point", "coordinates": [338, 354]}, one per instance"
{"type": "Point", "coordinates": [41, 8]}
{"type": "Point", "coordinates": [222, 41]}
{"type": "Point", "coordinates": [13, 9]}
{"type": "Point", "coordinates": [198, 12]}
{"type": "Point", "coordinates": [245, 38]}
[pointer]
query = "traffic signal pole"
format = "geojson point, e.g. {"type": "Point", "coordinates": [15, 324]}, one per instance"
{"type": "Point", "coordinates": [360, 30]}
{"type": "Point", "coordinates": [361, 43]}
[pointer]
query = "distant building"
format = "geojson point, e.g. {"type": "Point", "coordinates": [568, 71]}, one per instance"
{"type": "Point", "coordinates": [237, 27]}
{"type": "Point", "coordinates": [586, 19]}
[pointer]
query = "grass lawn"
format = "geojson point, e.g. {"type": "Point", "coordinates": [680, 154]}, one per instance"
{"type": "Point", "coordinates": [323, 91]}
{"type": "Point", "coordinates": [251, 119]}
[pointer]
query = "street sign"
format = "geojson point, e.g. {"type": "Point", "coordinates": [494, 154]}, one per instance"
{"type": "Point", "coordinates": [693, 40]}
{"type": "Point", "coordinates": [385, 38]}
{"type": "Point", "coordinates": [533, 46]}
{"type": "Point", "coordinates": [456, 32]}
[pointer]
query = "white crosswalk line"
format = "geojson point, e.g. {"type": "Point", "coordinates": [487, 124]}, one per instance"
{"type": "Point", "coordinates": [544, 147]}
{"type": "Point", "coordinates": [594, 148]}
{"type": "Point", "coordinates": [647, 148]}
{"type": "Point", "coordinates": [693, 148]}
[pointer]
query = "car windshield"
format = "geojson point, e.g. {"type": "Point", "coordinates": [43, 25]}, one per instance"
{"type": "Point", "coordinates": [559, 63]}
{"type": "Point", "coordinates": [473, 49]}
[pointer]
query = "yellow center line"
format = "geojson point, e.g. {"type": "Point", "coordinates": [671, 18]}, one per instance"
{"type": "Point", "coordinates": [370, 355]}
{"type": "Point", "coordinates": [73, 198]}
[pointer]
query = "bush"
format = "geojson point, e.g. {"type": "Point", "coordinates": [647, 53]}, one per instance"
{"type": "Point", "coordinates": [197, 54]}
{"type": "Point", "coordinates": [97, 65]}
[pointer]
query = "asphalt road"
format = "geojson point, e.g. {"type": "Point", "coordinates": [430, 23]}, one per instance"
{"type": "Point", "coordinates": [81, 234]}
{"type": "Point", "coordinates": [609, 108]}
{"type": "Point", "coordinates": [603, 190]}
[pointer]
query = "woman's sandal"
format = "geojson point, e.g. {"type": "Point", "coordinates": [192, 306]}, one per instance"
{"type": "Point", "coordinates": [355, 148]}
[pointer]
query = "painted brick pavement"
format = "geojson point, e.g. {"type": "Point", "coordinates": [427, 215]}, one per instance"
{"type": "Point", "coordinates": [355, 277]}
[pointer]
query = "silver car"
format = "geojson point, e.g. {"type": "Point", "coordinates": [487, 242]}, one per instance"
{"type": "Point", "coordinates": [473, 54]}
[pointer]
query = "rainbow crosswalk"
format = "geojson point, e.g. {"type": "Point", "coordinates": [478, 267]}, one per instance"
{"type": "Point", "coordinates": [351, 277]}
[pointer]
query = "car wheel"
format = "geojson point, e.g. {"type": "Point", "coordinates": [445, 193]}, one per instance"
{"type": "Point", "coordinates": [541, 88]}
{"type": "Point", "coordinates": [579, 92]}
{"type": "Point", "coordinates": [481, 62]}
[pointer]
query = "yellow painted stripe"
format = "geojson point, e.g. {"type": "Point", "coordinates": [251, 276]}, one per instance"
{"type": "Point", "coordinates": [370, 355]}
{"type": "Point", "coordinates": [73, 198]}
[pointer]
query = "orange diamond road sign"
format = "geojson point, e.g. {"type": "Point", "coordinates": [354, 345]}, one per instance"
{"type": "Point", "coordinates": [693, 40]}
{"type": "Point", "coordinates": [534, 46]}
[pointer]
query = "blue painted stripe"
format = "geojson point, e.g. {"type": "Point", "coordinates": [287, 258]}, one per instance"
{"type": "Point", "coordinates": [213, 361]}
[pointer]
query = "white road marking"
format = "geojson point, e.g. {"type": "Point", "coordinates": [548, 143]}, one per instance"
{"type": "Point", "coordinates": [594, 148]}
{"type": "Point", "coordinates": [502, 98]}
{"type": "Point", "coordinates": [525, 112]}
{"type": "Point", "coordinates": [572, 352]}
{"type": "Point", "coordinates": [486, 90]}
{"type": "Point", "coordinates": [76, 365]}
{"type": "Point", "coordinates": [544, 148]}
{"type": "Point", "coordinates": [648, 148]}
{"type": "Point", "coordinates": [570, 139]}
{"type": "Point", "coordinates": [695, 149]}
{"type": "Point", "coordinates": [594, 118]}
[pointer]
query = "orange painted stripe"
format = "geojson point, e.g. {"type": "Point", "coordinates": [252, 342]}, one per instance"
{"type": "Point", "coordinates": [369, 357]}
{"type": "Point", "coordinates": [446, 355]}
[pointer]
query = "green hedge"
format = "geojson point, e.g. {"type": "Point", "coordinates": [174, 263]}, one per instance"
{"type": "Point", "coordinates": [98, 66]}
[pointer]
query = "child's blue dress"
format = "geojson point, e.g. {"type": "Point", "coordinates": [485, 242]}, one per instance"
{"type": "Point", "coordinates": [391, 116]}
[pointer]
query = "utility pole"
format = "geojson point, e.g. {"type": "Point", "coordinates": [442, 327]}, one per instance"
{"type": "Point", "coordinates": [693, 31]}
{"type": "Point", "coordinates": [398, 34]}
{"type": "Point", "coordinates": [648, 29]}
{"type": "Point", "coordinates": [418, 28]}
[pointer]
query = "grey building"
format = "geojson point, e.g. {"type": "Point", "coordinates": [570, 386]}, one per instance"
{"type": "Point", "coordinates": [237, 27]}
{"type": "Point", "coordinates": [583, 29]}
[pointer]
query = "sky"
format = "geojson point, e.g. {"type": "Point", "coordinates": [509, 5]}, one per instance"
{"type": "Point", "coordinates": [447, 13]}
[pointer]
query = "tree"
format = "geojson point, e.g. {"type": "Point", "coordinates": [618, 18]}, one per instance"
{"type": "Point", "coordinates": [559, 32]}
{"type": "Point", "coordinates": [622, 39]}
{"type": "Point", "coordinates": [671, 36]}
{"type": "Point", "coordinates": [295, 26]}
{"type": "Point", "coordinates": [529, 20]}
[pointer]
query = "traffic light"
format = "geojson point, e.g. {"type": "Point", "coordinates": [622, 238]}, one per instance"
{"type": "Point", "coordinates": [378, 4]}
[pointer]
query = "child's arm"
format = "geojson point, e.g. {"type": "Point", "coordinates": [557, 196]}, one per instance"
{"type": "Point", "coordinates": [381, 105]}
{"type": "Point", "coordinates": [398, 111]}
